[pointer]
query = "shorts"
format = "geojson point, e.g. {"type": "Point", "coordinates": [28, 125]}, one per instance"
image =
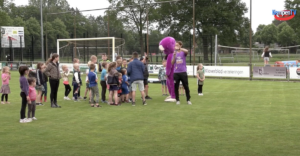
{"type": "Point", "coordinates": [145, 82]}
{"type": "Point", "coordinates": [163, 82]}
{"type": "Point", "coordinates": [40, 88]}
{"type": "Point", "coordinates": [113, 88]}
{"type": "Point", "coordinates": [139, 83]}
{"type": "Point", "coordinates": [88, 86]}
{"type": "Point", "coordinates": [266, 58]}
{"type": "Point", "coordinates": [125, 90]}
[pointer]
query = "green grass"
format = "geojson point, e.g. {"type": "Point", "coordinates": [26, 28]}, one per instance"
{"type": "Point", "coordinates": [234, 117]}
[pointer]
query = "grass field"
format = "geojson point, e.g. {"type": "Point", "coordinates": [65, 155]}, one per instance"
{"type": "Point", "coordinates": [234, 117]}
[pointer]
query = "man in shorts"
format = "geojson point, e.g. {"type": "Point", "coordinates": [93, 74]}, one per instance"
{"type": "Point", "coordinates": [136, 71]}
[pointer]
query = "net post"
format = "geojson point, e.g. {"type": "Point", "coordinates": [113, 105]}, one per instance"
{"type": "Point", "coordinates": [113, 49]}
{"type": "Point", "coordinates": [216, 49]}
{"type": "Point", "coordinates": [57, 46]}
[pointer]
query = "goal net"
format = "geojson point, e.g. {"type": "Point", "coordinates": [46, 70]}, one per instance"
{"type": "Point", "coordinates": [228, 54]}
{"type": "Point", "coordinates": [84, 48]}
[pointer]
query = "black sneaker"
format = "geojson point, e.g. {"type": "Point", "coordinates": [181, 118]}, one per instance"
{"type": "Point", "coordinates": [144, 103]}
{"type": "Point", "coordinates": [84, 98]}
{"type": "Point", "coordinates": [133, 103]}
{"type": "Point", "coordinates": [148, 98]}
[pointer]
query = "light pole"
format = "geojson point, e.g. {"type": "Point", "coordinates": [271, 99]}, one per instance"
{"type": "Point", "coordinates": [42, 31]}
{"type": "Point", "coordinates": [250, 38]}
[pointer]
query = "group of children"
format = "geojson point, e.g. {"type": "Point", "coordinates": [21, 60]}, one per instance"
{"type": "Point", "coordinates": [113, 78]}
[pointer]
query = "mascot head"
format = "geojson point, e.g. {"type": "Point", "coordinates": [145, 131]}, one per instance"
{"type": "Point", "coordinates": [167, 45]}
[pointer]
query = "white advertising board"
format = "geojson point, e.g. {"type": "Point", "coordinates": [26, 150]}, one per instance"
{"type": "Point", "coordinates": [14, 34]}
{"type": "Point", "coordinates": [294, 72]}
{"type": "Point", "coordinates": [227, 71]}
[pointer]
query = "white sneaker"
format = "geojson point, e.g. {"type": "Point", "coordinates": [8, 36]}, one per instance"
{"type": "Point", "coordinates": [23, 121]}
{"type": "Point", "coordinates": [178, 103]}
{"type": "Point", "coordinates": [67, 98]}
{"type": "Point", "coordinates": [189, 103]}
{"type": "Point", "coordinates": [28, 120]}
{"type": "Point", "coordinates": [200, 94]}
{"type": "Point", "coordinates": [34, 118]}
{"type": "Point", "coordinates": [73, 98]}
{"type": "Point", "coordinates": [170, 100]}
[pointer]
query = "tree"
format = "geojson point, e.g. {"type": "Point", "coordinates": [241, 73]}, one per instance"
{"type": "Point", "coordinates": [269, 34]}
{"type": "Point", "coordinates": [295, 22]}
{"type": "Point", "coordinates": [34, 30]}
{"type": "Point", "coordinates": [4, 19]}
{"type": "Point", "coordinates": [135, 16]}
{"type": "Point", "coordinates": [212, 17]}
{"type": "Point", "coordinates": [286, 35]}
{"type": "Point", "coordinates": [257, 36]}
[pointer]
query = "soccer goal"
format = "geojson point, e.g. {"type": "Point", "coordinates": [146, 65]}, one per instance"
{"type": "Point", "coordinates": [227, 54]}
{"type": "Point", "coordinates": [83, 48]}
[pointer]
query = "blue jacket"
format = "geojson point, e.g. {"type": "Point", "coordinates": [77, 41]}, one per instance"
{"type": "Point", "coordinates": [135, 70]}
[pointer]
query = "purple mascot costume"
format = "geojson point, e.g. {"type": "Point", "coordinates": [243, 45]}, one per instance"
{"type": "Point", "coordinates": [167, 45]}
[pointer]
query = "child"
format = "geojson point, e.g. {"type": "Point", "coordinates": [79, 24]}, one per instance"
{"type": "Point", "coordinates": [124, 64]}
{"type": "Point", "coordinates": [201, 78]}
{"type": "Point", "coordinates": [44, 93]}
{"type": "Point", "coordinates": [5, 90]}
{"type": "Point", "coordinates": [120, 89]}
{"type": "Point", "coordinates": [112, 80]}
{"type": "Point", "coordinates": [32, 98]}
{"type": "Point", "coordinates": [87, 89]}
{"type": "Point", "coordinates": [93, 79]}
{"type": "Point", "coordinates": [39, 83]}
{"type": "Point", "coordinates": [77, 61]}
{"type": "Point", "coordinates": [125, 84]}
{"type": "Point", "coordinates": [103, 82]}
{"type": "Point", "coordinates": [163, 78]}
{"type": "Point", "coordinates": [76, 81]}
{"type": "Point", "coordinates": [65, 76]}
{"type": "Point", "coordinates": [23, 70]}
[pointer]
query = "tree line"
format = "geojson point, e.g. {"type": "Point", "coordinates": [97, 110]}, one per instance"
{"type": "Point", "coordinates": [213, 17]}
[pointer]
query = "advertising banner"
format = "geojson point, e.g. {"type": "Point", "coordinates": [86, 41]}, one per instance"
{"type": "Point", "coordinates": [227, 71]}
{"type": "Point", "coordinates": [295, 73]}
{"type": "Point", "coordinates": [154, 69]}
{"type": "Point", "coordinates": [13, 34]}
{"type": "Point", "coordinates": [269, 72]}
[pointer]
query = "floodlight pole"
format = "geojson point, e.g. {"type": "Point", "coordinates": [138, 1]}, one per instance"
{"type": "Point", "coordinates": [147, 32]}
{"type": "Point", "coordinates": [42, 31]}
{"type": "Point", "coordinates": [250, 38]}
{"type": "Point", "coordinates": [194, 39]}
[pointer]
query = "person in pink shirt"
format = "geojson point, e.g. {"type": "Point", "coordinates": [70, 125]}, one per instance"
{"type": "Point", "coordinates": [32, 97]}
{"type": "Point", "coordinates": [5, 90]}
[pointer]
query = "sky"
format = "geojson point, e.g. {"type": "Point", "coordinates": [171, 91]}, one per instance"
{"type": "Point", "coordinates": [261, 9]}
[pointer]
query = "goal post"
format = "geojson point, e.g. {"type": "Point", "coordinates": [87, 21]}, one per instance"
{"type": "Point", "coordinates": [241, 55]}
{"type": "Point", "coordinates": [101, 42]}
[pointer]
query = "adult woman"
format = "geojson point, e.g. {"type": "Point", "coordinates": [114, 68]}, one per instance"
{"type": "Point", "coordinates": [266, 55]}
{"type": "Point", "coordinates": [180, 71]}
{"type": "Point", "coordinates": [52, 71]}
